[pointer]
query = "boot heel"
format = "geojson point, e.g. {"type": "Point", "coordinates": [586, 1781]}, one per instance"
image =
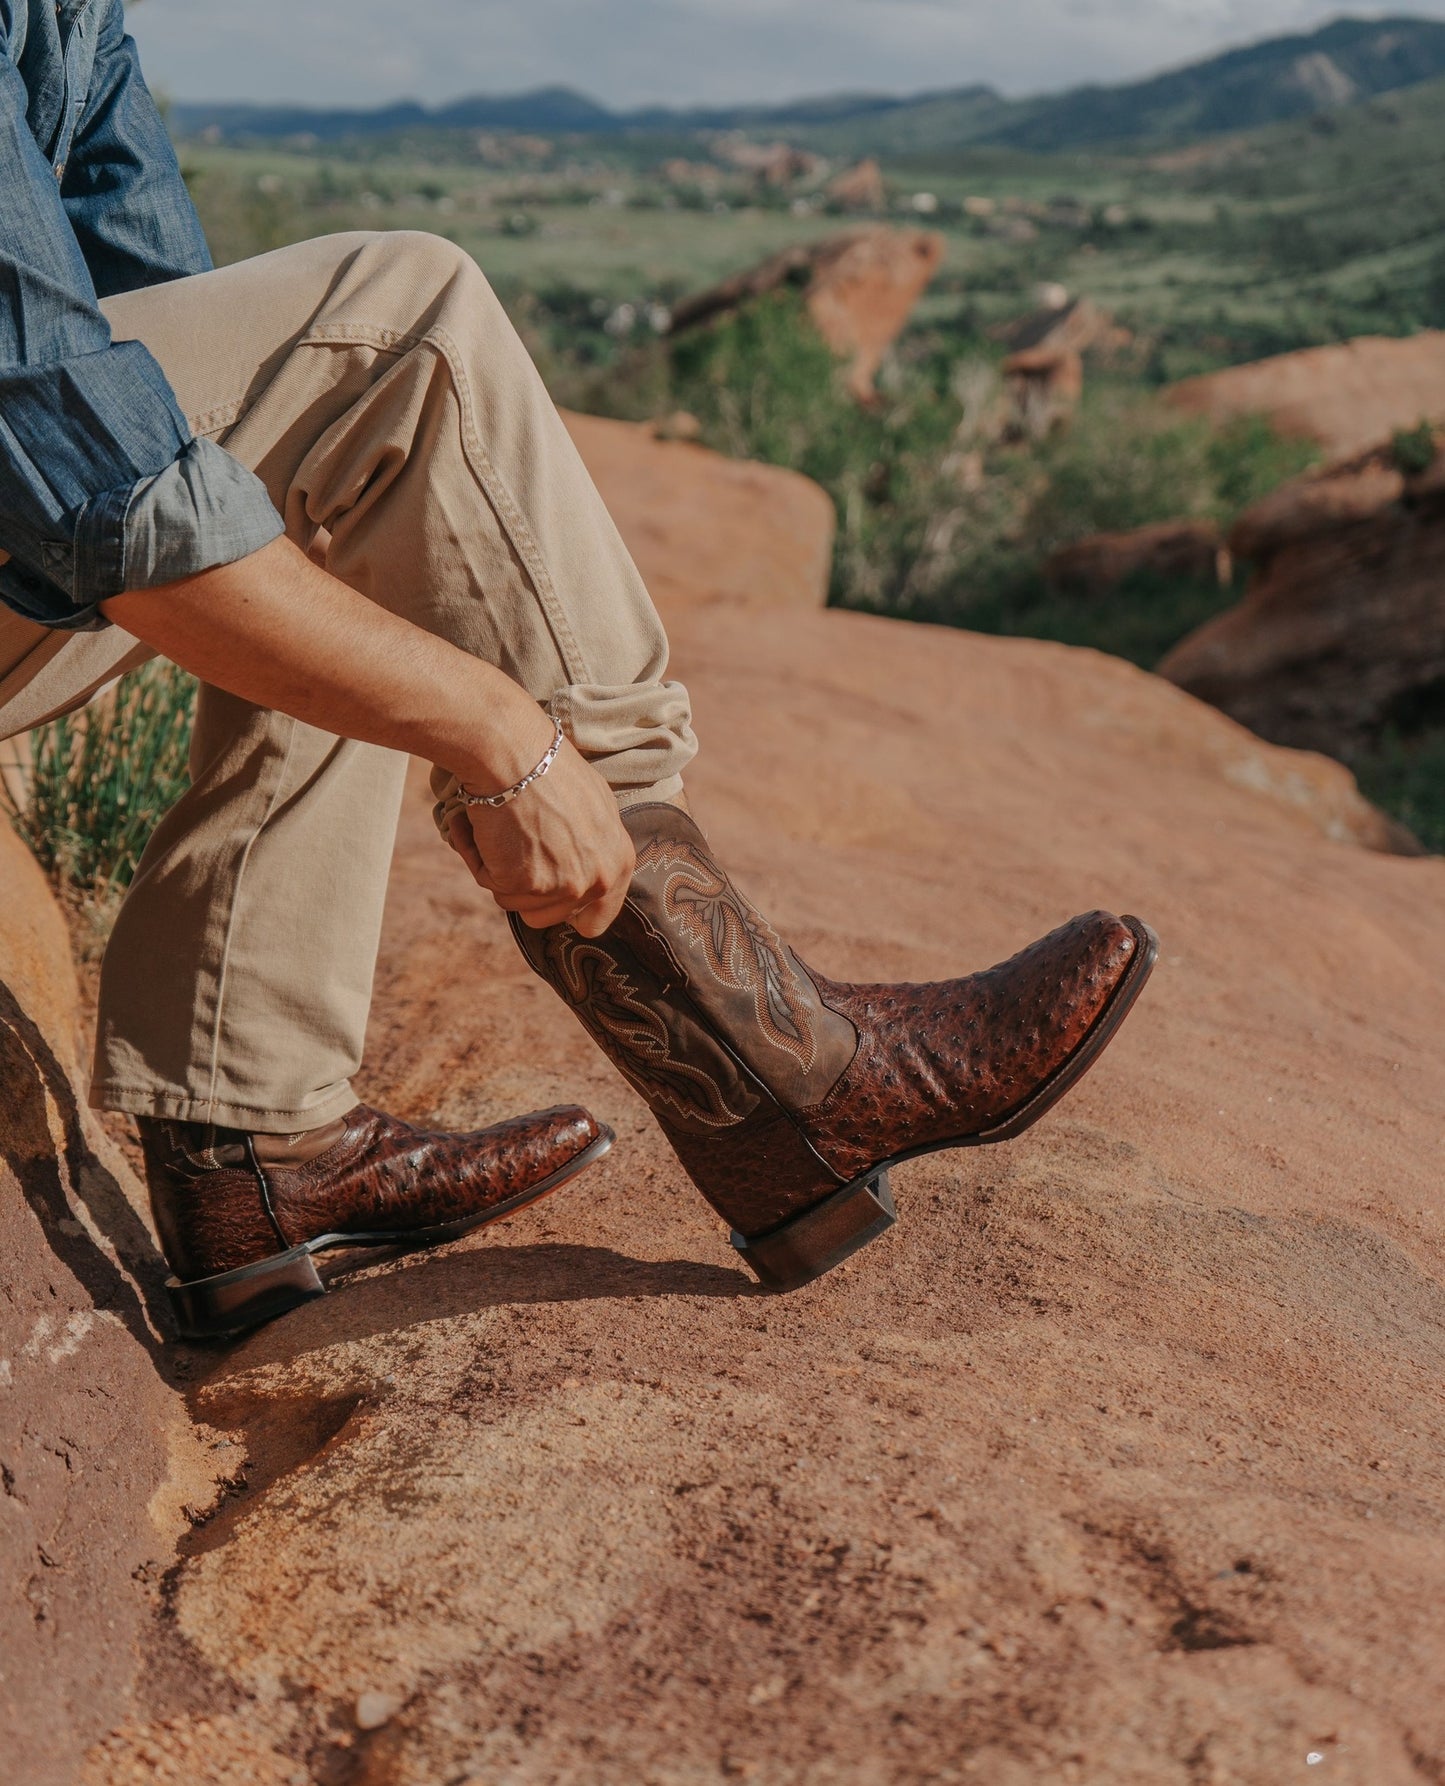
{"type": "Point", "coordinates": [822, 1237]}
{"type": "Point", "coordinates": [211, 1307]}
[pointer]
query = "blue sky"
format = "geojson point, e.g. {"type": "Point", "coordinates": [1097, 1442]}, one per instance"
{"type": "Point", "coordinates": [628, 52]}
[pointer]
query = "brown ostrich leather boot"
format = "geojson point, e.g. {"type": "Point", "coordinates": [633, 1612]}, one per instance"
{"type": "Point", "coordinates": [239, 1216]}
{"type": "Point", "coordinates": [788, 1096]}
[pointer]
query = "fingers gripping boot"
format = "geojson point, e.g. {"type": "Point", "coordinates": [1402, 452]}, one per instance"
{"type": "Point", "coordinates": [786, 1095]}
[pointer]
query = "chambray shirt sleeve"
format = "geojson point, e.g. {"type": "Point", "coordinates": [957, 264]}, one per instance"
{"type": "Point", "coordinates": [103, 488]}
{"type": "Point", "coordinates": [122, 187]}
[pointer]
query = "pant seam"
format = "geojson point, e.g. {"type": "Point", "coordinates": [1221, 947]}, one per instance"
{"type": "Point", "coordinates": [575, 665]}
{"type": "Point", "coordinates": [223, 975]}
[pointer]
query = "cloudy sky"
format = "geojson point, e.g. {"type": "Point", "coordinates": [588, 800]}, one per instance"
{"type": "Point", "coordinates": [630, 52]}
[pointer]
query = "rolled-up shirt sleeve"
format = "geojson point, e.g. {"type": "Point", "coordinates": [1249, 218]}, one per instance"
{"type": "Point", "coordinates": [103, 487]}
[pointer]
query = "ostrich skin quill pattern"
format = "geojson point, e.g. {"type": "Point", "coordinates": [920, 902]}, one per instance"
{"type": "Point", "coordinates": [961, 1056]}
{"type": "Point", "coordinates": [382, 1175]}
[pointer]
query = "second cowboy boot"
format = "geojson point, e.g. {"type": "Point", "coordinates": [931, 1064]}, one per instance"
{"type": "Point", "coordinates": [788, 1096]}
{"type": "Point", "coordinates": [240, 1216]}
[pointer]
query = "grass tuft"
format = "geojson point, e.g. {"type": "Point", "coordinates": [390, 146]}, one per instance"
{"type": "Point", "coordinates": [97, 782]}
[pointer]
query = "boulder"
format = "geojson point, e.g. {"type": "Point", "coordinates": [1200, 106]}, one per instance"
{"type": "Point", "coordinates": [774, 164]}
{"type": "Point", "coordinates": [98, 1457]}
{"type": "Point", "coordinates": [862, 299]}
{"type": "Point", "coordinates": [1343, 626]}
{"type": "Point", "coordinates": [706, 529]}
{"type": "Point", "coordinates": [1329, 500]}
{"type": "Point", "coordinates": [1119, 1455]}
{"type": "Point", "coordinates": [1064, 324]}
{"type": "Point", "coordinates": [859, 188]}
{"type": "Point", "coordinates": [860, 287]}
{"type": "Point", "coordinates": [1044, 386]}
{"type": "Point", "coordinates": [1181, 551]}
{"type": "Point", "coordinates": [1346, 397]}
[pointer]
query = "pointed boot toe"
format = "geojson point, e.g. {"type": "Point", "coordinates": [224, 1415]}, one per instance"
{"type": "Point", "coordinates": [528, 1151]}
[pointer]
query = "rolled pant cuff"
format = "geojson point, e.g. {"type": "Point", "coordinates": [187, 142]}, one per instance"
{"type": "Point", "coordinates": [664, 790]}
{"type": "Point", "coordinates": [180, 1108]}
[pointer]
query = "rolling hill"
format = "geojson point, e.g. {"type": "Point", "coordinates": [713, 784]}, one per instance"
{"type": "Point", "coordinates": [1272, 82]}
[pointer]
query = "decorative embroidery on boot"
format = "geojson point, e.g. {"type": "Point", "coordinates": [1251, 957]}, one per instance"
{"type": "Point", "coordinates": [637, 1038]}
{"type": "Point", "coordinates": [737, 943]}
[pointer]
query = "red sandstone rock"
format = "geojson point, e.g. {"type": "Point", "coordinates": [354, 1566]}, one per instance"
{"type": "Point", "coordinates": [776, 164]}
{"type": "Point", "coordinates": [708, 530]}
{"type": "Point", "coordinates": [1186, 551]}
{"type": "Point", "coordinates": [1344, 620]}
{"type": "Point", "coordinates": [1075, 325]}
{"type": "Point", "coordinates": [860, 187]}
{"type": "Point", "coordinates": [1044, 385]}
{"type": "Point", "coordinates": [1319, 503]}
{"type": "Point", "coordinates": [862, 299]}
{"type": "Point", "coordinates": [860, 287]}
{"type": "Point", "coordinates": [1346, 397]}
{"type": "Point", "coordinates": [97, 1454]}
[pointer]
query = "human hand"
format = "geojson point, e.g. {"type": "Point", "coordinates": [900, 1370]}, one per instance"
{"type": "Point", "coordinates": [557, 854]}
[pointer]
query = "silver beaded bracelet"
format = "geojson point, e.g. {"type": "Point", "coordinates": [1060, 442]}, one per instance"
{"type": "Point", "coordinates": [517, 787]}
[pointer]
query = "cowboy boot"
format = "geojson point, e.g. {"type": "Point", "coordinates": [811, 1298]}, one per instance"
{"type": "Point", "coordinates": [239, 1216]}
{"type": "Point", "coordinates": [787, 1096]}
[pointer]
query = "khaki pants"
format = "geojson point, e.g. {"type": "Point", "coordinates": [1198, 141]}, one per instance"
{"type": "Point", "coordinates": [375, 385]}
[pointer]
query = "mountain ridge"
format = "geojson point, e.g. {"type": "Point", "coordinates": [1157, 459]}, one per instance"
{"type": "Point", "coordinates": [1272, 81]}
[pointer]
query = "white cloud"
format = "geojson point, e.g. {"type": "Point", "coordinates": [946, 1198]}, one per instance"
{"type": "Point", "coordinates": [627, 52]}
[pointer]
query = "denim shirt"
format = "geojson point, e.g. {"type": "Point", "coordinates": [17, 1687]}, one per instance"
{"type": "Point", "coordinates": [103, 487]}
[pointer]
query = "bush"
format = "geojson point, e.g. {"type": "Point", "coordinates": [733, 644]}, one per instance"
{"type": "Point", "coordinates": [99, 780]}
{"type": "Point", "coordinates": [939, 516]}
{"type": "Point", "coordinates": [1406, 777]}
{"type": "Point", "coordinates": [1413, 449]}
{"type": "Point", "coordinates": [1139, 621]}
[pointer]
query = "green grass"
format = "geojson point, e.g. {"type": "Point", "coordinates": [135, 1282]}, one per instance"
{"type": "Point", "coordinates": [1405, 776]}
{"type": "Point", "coordinates": [98, 781]}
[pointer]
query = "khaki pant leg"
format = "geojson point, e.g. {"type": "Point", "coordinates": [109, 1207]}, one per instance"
{"type": "Point", "coordinates": [44, 673]}
{"type": "Point", "coordinates": [376, 386]}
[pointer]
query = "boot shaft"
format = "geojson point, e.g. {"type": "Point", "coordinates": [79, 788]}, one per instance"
{"type": "Point", "coordinates": [711, 1018]}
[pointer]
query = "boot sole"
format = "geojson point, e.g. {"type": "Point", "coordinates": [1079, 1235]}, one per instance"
{"type": "Point", "coordinates": [825, 1235]}
{"type": "Point", "coordinates": [232, 1301]}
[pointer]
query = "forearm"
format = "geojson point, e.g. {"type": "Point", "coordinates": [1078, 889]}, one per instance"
{"type": "Point", "coordinates": [277, 630]}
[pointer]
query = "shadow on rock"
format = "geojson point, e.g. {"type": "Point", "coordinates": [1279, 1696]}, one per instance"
{"type": "Point", "coordinates": [443, 1286]}
{"type": "Point", "coordinates": [34, 1080]}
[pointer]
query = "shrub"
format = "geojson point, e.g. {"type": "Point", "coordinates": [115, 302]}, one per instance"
{"type": "Point", "coordinates": [1413, 449]}
{"type": "Point", "coordinates": [99, 780]}
{"type": "Point", "coordinates": [1405, 775]}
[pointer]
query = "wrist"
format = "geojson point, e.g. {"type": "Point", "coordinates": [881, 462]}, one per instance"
{"type": "Point", "coordinates": [495, 756]}
{"type": "Point", "coordinates": [499, 797]}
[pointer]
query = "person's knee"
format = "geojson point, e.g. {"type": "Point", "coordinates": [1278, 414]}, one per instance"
{"type": "Point", "coordinates": [424, 266]}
